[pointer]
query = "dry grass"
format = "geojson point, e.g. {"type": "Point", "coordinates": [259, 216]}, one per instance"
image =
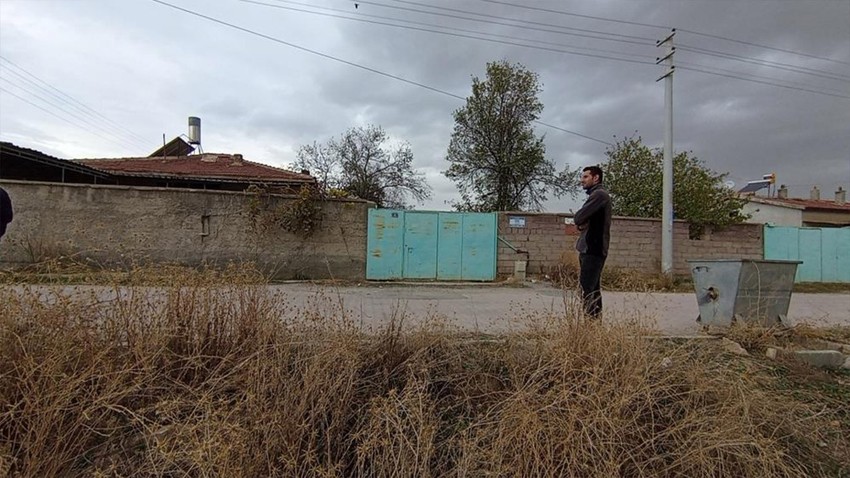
{"type": "Point", "coordinates": [835, 333]}
{"type": "Point", "coordinates": [211, 375]}
{"type": "Point", "coordinates": [822, 287]}
{"type": "Point", "coordinates": [566, 275]}
{"type": "Point", "coordinates": [757, 338]}
{"type": "Point", "coordinates": [70, 270]}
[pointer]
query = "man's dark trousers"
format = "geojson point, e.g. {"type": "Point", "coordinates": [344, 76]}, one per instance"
{"type": "Point", "coordinates": [590, 279]}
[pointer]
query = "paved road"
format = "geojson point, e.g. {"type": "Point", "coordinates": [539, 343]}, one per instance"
{"type": "Point", "coordinates": [494, 308]}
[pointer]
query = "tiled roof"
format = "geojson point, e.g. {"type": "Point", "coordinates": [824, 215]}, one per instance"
{"type": "Point", "coordinates": [207, 165]}
{"type": "Point", "coordinates": [797, 203]}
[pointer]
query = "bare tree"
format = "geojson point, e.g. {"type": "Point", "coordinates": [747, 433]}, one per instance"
{"type": "Point", "coordinates": [362, 164]}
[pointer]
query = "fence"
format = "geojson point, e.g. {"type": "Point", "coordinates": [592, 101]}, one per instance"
{"type": "Point", "coordinates": [825, 252]}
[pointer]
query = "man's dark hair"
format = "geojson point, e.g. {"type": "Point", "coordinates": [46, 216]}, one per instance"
{"type": "Point", "coordinates": [594, 171]}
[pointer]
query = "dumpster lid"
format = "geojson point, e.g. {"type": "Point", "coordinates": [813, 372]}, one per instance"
{"type": "Point", "coordinates": [760, 261]}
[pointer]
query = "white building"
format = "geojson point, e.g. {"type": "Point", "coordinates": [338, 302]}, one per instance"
{"type": "Point", "coordinates": [813, 212]}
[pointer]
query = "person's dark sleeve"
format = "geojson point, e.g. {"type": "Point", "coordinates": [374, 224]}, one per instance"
{"type": "Point", "coordinates": [595, 202]}
{"type": "Point", "coordinates": [5, 207]}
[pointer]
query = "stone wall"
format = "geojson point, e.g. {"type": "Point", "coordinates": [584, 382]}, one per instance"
{"type": "Point", "coordinates": [546, 239]}
{"type": "Point", "coordinates": [121, 224]}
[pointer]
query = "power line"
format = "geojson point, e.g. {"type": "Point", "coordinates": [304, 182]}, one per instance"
{"type": "Point", "coordinates": [561, 12]}
{"type": "Point", "coordinates": [770, 64]}
{"type": "Point", "coordinates": [346, 62]}
{"type": "Point", "coordinates": [455, 34]}
{"type": "Point", "coordinates": [72, 99]}
{"type": "Point", "coordinates": [509, 37]}
{"type": "Point", "coordinates": [308, 50]}
{"type": "Point", "coordinates": [86, 118]}
{"type": "Point", "coordinates": [692, 32]}
{"type": "Point", "coordinates": [804, 85]}
{"type": "Point", "coordinates": [59, 107]}
{"type": "Point", "coordinates": [793, 68]}
{"type": "Point", "coordinates": [742, 42]}
{"type": "Point", "coordinates": [57, 116]}
{"type": "Point", "coordinates": [762, 82]}
{"type": "Point", "coordinates": [529, 22]}
{"type": "Point", "coordinates": [485, 39]}
{"type": "Point", "coordinates": [622, 38]}
{"type": "Point", "coordinates": [572, 132]}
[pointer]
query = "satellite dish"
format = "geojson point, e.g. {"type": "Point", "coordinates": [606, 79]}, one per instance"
{"type": "Point", "coordinates": [729, 184]}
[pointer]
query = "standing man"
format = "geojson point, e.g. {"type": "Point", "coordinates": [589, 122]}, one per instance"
{"type": "Point", "coordinates": [594, 222]}
{"type": "Point", "coordinates": [5, 211]}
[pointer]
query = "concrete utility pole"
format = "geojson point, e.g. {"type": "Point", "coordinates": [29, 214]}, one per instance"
{"type": "Point", "coordinates": [667, 197]}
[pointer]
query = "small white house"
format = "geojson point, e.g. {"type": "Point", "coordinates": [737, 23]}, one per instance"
{"type": "Point", "coordinates": [796, 212]}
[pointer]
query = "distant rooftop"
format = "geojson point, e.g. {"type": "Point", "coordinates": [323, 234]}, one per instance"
{"type": "Point", "coordinates": [798, 203]}
{"type": "Point", "coordinates": [199, 166]}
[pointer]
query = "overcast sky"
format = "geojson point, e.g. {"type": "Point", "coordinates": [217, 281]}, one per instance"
{"type": "Point", "coordinates": [138, 69]}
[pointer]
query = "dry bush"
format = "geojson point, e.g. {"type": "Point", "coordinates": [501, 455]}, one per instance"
{"type": "Point", "coordinates": [757, 338]}
{"type": "Point", "coordinates": [566, 274]}
{"type": "Point", "coordinates": [77, 270]}
{"type": "Point", "coordinates": [213, 375]}
{"type": "Point", "coordinates": [835, 333]}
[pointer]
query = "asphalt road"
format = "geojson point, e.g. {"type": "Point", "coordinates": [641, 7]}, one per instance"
{"type": "Point", "coordinates": [490, 308]}
{"type": "Point", "coordinates": [496, 309]}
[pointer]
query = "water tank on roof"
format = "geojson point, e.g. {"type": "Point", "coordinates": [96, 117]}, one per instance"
{"type": "Point", "coordinates": [194, 130]}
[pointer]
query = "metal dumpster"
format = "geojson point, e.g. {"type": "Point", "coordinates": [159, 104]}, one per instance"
{"type": "Point", "coordinates": [743, 290]}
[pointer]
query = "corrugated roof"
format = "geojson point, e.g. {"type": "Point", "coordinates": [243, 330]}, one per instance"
{"type": "Point", "coordinates": [798, 203]}
{"type": "Point", "coordinates": [207, 165]}
{"type": "Point", "coordinates": [43, 158]}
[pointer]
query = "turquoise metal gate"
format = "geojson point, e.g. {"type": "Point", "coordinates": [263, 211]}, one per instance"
{"type": "Point", "coordinates": [420, 245]}
{"type": "Point", "coordinates": [431, 245]}
{"type": "Point", "coordinates": [825, 251]}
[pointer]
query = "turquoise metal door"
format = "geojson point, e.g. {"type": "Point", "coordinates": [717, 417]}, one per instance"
{"type": "Point", "coordinates": [450, 246]}
{"type": "Point", "coordinates": [420, 245]}
{"type": "Point", "coordinates": [835, 250]}
{"type": "Point", "coordinates": [431, 245]}
{"type": "Point", "coordinates": [825, 252]}
{"type": "Point", "coordinates": [479, 246]}
{"type": "Point", "coordinates": [810, 254]}
{"type": "Point", "coordinates": [781, 243]}
{"type": "Point", "coordinates": [384, 244]}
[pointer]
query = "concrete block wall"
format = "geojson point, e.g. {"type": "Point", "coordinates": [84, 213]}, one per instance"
{"type": "Point", "coordinates": [116, 224]}
{"type": "Point", "coordinates": [542, 241]}
{"type": "Point", "coordinates": [741, 241]}
{"type": "Point", "coordinates": [635, 244]}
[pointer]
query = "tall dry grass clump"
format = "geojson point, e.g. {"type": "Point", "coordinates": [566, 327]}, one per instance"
{"type": "Point", "coordinates": [217, 376]}
{"type": "Point", "coordinates": [566, 275]}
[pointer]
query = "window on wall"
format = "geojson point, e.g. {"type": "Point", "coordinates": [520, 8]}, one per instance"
{"type": "Point", "coordinates": [696, 232]}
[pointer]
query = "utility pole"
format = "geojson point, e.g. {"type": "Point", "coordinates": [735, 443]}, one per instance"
{"type": "Point", "coordinates": [667, 197]}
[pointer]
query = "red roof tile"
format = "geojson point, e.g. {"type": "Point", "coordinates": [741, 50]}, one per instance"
{"type": "Point", "coordinates": [207, 165]}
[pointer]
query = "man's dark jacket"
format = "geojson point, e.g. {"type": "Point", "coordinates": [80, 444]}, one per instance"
{"type": "Point", "coordinates": [594, 222]}
{"type": "Point", "coordinates": [5, 211]}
